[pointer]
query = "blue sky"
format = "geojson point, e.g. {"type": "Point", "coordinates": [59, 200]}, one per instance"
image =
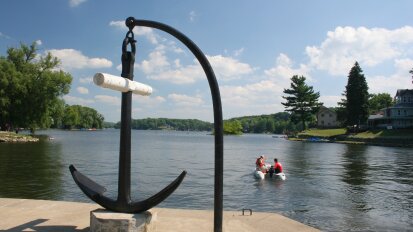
{"type": "Point", "coordinates": [254, 47]}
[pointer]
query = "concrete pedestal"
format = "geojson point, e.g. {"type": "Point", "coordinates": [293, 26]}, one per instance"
{"type": "Point", "coordinates": [104, 221]}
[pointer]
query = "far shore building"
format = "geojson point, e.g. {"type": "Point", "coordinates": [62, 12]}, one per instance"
{"type": "Point", "coordinates": [326, 118]}
{"type": "Point", "coordinates": [395, 117]}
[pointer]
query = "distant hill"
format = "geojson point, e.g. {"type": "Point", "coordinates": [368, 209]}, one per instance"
{"type": "Point", "coordinates": [169, 124]}
{"type": "Point", "coordinates": [277, 123]}
{"type": "Point", "coordinates": [109, 124]}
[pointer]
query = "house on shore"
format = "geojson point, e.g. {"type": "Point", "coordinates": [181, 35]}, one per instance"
{"type": "Point", "coordinates": [326, 118]}
{"type": "Point", "coordinates": [395, 117]}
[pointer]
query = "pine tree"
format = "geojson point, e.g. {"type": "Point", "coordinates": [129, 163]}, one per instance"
{"type": "Point", "coordinates": [302, 101]}
{"type": "Point", "coordinates": [357, 96]}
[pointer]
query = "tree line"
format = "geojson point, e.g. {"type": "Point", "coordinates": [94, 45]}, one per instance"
{"type": "Point", "coordinates": [31, 91]}
{"type": "Point", "coordinates": [274, 123]}
{"type": "Point", "coordinates": [278, 123]}
{"type": "Point", "coordinates": [169, 124]}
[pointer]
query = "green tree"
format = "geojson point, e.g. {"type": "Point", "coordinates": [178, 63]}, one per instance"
{"type": "Point", "coordinates": [356, 97]}
{"type": "Point", "coordinates": [80, 117]}
{"type": "Point", "coordinates": [260, 126]}
{"type": "Point", "coordinates": [270, 126]}
{"type": "Point", "coordinates": [232, 127]}
{"type": "Point", "coordinates": [57, 111]}
{"type": "Point", "coordinates": [302, 101]}
{"type": "Point", "coordinates": [379, 101]}
{"type": "Point", "coordinates": [11, 89]}
{"type": "Point", "coordinates": [33, 87]}
{"type": "Point", "coordinates": [71, 117]}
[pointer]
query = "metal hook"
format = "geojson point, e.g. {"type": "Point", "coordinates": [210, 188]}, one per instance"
{"type": "Point", "coordinates": [129, 40]}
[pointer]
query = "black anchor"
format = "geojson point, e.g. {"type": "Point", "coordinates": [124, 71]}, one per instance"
{"type": "Point", "coordinates": [124, 203]}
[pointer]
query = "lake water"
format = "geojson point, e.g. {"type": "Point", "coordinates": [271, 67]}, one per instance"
{"type": "Point", "coordinates": [333, 187]}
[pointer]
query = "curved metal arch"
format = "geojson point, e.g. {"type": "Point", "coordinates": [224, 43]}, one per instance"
{"type": "Point", "coordinates": [217, 107]}
{"type": "Point", "coordinates": [124, 203]}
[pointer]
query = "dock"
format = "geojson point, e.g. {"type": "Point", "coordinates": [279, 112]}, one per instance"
{"type": "Point", "coordinates": [46, 215]}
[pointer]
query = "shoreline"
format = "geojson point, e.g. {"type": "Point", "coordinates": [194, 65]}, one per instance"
{"type": "Point", "coordinates": [12, 137]}
{"type": "Point", "coordinates": [382, 142]}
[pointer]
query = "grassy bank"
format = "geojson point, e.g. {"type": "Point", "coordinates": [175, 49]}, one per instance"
{"type": "Point", "coordinates": [322, 133]}
{"type": "Point", "coordinates": [7, 137]}
{"type": "Point", "coordinates": [395, 137]}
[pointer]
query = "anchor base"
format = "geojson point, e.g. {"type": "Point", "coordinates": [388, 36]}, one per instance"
{"type": "Point", "coordinates": [104, 220]}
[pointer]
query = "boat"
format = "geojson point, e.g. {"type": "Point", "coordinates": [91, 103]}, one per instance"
{"type": "Point", "coordinates": [260, 175]}
{"type": "Point", "coordinates": [280, 136]}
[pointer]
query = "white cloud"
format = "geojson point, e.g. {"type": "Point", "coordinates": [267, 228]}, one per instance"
{"type": "Point", "coordinates": [238, 52]}
{"type": "Point", "coordinates": [183, 75]}
{"type": "Point", "coordinates": [370, 47]}
{"type": "Point", "coordinates": [146, 105]}
{"type": "Point", "coordinates": [227, 68]}
{"type": "Point", "coordinates": [177, 63]}
{"type": "Point", "coordinates": [192, 16]}
{"type": "Point", "coordinates": [330, 101]}
{"type": "Point", "coordinates": [251, 94]}
{"type": "Point", "coordinates": [157, 61]}
{"type": "Point", "coordinates": [71, 100]}
{"type": "Point", "coordinates": [74, 3]}
{"type": "Point", "coordinates": [401, 79]}
{"type": "Point", "coordinates": [263, 96]}
{"type": "Point", "coordinates": [185, 100]}
{"type": "Point", "coordinates": [82, 90]}
{"type": "Point", "coordinates": [108, 99]}
{"type": "Point", "coordinates": [148, 100]}
{"type": "Point", "coordinates": [86, 80]}
{"type": "Point", "coordinates": [74, 59]}
{"type": "Point", "coordinates": [38, 42]}
{"type": "Point", "coordinates": [283, 70]}
{"type": "Point", "coordinates": [4, 36]}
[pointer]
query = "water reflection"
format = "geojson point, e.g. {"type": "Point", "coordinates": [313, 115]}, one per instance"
{"type": "Point", "coordinates": [299, 158]}
{"type": "Point", "coordinates": [355, 166]}
{"type": "Point", "coordinates": [30, 170]}
{"type": "Point", "coordinates": [355, 174]}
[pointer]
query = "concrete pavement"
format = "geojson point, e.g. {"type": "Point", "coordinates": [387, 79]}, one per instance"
{"type": "Point", "coordinates": [42, 215]}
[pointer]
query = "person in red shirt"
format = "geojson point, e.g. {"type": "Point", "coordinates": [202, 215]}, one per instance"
{"type": "Point", "coordinates": [260, 164]}
{"type": "Point", "coordinates": [277, 166]}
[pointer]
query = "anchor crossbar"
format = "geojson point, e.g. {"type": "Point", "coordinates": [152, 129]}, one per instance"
{"type": "Point", "coordinates": [121, 84]}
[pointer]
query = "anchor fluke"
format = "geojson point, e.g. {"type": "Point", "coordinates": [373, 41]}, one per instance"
{"type": "Point", "coordinates": [95, 192]}
{"type": "Point", "coordinates": [159, 197]}
{"type": "Point", "coordinates": [88, 186]}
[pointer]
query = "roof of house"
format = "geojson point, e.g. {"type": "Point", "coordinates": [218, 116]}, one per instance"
{"type": "Point", "coordinates": [401, 105]}
{"type": "Point", "coordinates": [375, 116]}
{"type": "Point", "coordinates": [324, 109]}
{"type": "Point", "coordinates": [401, 92]}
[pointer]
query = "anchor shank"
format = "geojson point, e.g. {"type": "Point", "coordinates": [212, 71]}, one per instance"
{"type": "Point", "coordinates": [125, 150]}
{"type": "Point", "coordinates": [124, 181]}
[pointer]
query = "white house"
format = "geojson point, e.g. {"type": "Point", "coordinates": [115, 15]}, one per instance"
{"type": "Point", "coordinates": [326, 118]}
